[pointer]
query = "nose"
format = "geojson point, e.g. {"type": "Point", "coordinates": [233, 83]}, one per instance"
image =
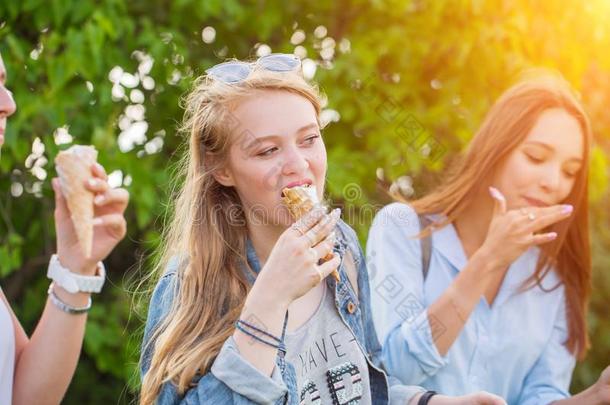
{"type": "Point", "coordinates": [551, 178]}
{"type": "Point", "coordinates": [7, 103]}
{"type": "Point", "coordinates": [295, 162]}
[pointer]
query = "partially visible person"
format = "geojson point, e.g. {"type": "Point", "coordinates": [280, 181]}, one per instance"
{"type": "Point", "coordinates": [38, 369]}
{"type": "Point", "coordinates": [497, 300]}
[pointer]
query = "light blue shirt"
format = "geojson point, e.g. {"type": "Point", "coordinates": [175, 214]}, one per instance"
{"type": "Point", "coordinates": [513, 348]}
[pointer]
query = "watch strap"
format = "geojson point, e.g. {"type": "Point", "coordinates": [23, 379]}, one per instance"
{"type": "Point", "coordinates": [73, 282]}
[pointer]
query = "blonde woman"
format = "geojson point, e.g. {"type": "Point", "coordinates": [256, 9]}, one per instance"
{"type": "Point", "coordinates": [493, 294]}
{"type": "Point", "coordinates": [243, 312]}
{"type": "Point", "coordinates": [38, 370]}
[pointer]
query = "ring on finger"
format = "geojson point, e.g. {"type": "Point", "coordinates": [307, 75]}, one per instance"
{"type": "Point", "coordinates": [530, 215]}
{"type": "Point", "coordinates": [297, 227]}
{"type": "Point", "coordinates": [310, 239]}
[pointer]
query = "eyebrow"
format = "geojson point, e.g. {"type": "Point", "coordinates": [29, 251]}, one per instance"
{"type": "Point", "coordinates": [274, 136]}
{"type": "Point", "coordinates": [550, 148]}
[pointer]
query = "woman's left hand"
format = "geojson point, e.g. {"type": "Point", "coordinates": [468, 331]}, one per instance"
{"type": "Point", "coordinates": [603, 387]}
{"type": "Point", "coordinates": [478, 398]}
{"type": "Point", "coordinates": [481, 398]}
{"type": "Point", "coordinates": [109, 224]}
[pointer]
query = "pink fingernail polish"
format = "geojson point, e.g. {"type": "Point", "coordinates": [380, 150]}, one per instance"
{"type": "Point", "coordinates": [552, 235]}
{"type": "Point", "coordinates": [495, 193]}
{"type": "Point", "coordinates": [567, 209]}
{"type": "Point", "coordinates": [99, 199]}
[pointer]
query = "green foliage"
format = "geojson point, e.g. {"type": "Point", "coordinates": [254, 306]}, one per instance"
{"type": "Point", "coordinates": [411, 81]}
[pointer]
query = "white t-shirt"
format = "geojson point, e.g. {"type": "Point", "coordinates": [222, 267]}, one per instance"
{"type": "Point", "coordinates": [330, 367]}
{"type": "Point", "coordinates": [7, 354]}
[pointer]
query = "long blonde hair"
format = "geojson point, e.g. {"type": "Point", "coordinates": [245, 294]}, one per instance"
{"type": "Point", "coordinates": [208, 226]}
{"type": "Point", "coordinates": [506, 125]}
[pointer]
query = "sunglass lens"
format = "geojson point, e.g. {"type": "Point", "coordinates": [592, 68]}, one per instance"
{"type": "Point", "coordinates": [230, 72]}
{"type": "Point", "coordinates": [280, 62]}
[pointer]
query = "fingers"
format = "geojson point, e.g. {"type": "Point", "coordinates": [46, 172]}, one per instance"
{"type": "Point", "coordinates": [484, 398]}
{"type": "Point", "coordinates": [323, 227]}
{"type": "Point", "coordinates": [116, 196]}
{"type": "Point", "coordinates": [543, 238]}
{"type": "Point", "coordinates": [326, 246]}
{"type": "Point", "coordinates": [96, 185]}
{"type": "Point", "coordinates": [114, 224]}
{"type": "Point", "coordinates": [500, 201]}
{"type": "Point", "coordinates": [494, 399]}
{"type": "Point", "coordinates": [328, 267]}
{"type": "Point", "coordinates": [304, 224]}
{"type": "Point", "coordinates": [98, 171]}
{"type": "Point", "coordinates": [549, 215]}
{"type": "Point", "coordinates": [61, 209]}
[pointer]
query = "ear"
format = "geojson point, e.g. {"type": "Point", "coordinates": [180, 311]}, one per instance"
{"type": "Point", "coordinates": [221, 172]}
{"type": "Point", "coordinates": [224, 176]}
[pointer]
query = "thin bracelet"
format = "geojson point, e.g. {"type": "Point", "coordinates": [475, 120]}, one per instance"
{"type": "Point", "coordinates": [424, 399]}
{"type": "Point", "coordinates": [69, 309]}
{"type": "Point", "coordinates": [240, 322]}
{"type": "Point", "coordinates": [252, 335]}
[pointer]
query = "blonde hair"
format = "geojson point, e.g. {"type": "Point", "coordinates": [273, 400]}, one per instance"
{"type": "Point", "coordinates": [211, 285]}
{"type": "Point", "coordinates": [506, 125]}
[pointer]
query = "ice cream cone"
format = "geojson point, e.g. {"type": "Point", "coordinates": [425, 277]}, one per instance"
{"type": "Point", "coordinates": [299, 201]}
{"type": "Point", "coordinates": [74, 168]}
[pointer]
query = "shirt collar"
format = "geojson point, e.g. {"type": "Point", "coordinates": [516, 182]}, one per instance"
{"type": "Point", "coordinates": [446, 241]}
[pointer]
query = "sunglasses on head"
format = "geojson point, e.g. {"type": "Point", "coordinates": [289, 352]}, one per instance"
{"type": "Point", "coordinates": [236, 71]}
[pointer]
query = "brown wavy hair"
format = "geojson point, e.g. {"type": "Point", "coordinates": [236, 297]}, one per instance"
{"type": "Point", "coordinates": [211, 287]}
{"type": "Point", "coordinates": [505, 126]}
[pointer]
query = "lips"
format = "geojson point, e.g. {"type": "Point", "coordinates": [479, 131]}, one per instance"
{"type": "Point", "coordinates": [299, 183]}
{"type": "Point", "coordinates": [536, 203]}
{"type": "Point", "coordinates": [303, 182]}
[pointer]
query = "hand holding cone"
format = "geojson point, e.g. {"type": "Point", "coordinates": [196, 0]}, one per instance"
{"type": "Point", "coordinates": [74, 168]}
{"type": "Point", "coordinates": [299, 201]}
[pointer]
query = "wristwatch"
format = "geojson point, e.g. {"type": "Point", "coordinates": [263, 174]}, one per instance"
{"type": "Point", "coordinates": [424, 399]}
{"type": "Point", "coordinates": [72, 282]}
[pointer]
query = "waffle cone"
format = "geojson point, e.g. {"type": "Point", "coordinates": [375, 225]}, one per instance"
{"type": "Point", "coordinates": [74, 168]}
{"type": "Point", "coordinates": [299, 201]}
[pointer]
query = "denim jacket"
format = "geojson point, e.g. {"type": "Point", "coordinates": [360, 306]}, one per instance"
{"type": "Point", "coordinates": [233, 380]}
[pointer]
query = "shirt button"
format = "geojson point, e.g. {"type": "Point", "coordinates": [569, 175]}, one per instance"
{"type": "Point", "coordinates": [351, 307]}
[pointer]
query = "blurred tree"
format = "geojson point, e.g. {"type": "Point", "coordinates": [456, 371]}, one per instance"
{"type": "Point", "coordinates": [407, 82]}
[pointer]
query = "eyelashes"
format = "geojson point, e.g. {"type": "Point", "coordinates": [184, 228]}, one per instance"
{"type": "Point", "coordinates": [310, 140]}
{"type": "Point", "coordinates": [537, 161]}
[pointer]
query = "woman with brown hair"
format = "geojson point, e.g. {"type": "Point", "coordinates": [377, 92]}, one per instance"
{"type": "Point", "coordinates": [483, 284]}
